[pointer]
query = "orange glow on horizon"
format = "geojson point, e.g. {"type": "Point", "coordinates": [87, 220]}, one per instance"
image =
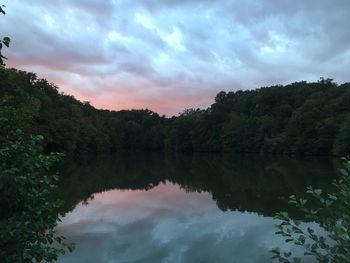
{"type": "Point", "coordinates": [109, 94]}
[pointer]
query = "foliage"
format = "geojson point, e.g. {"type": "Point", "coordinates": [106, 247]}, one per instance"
{"type": "Point", "coordinates": [27, 215]}
{"type": "Point", "coordinates": [299, 118]}
{"type": "Point", "coordinates": [332, 215]}
{"type": "Point", "coordinates": [5, 41]}
{"type": "Point", "coordinates": [342, 141]}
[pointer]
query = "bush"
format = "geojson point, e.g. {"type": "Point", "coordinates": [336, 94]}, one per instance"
{"type": "Point", "coordinates": [332, 214]}
{"type": "Point", "coordinates": [27, 216]}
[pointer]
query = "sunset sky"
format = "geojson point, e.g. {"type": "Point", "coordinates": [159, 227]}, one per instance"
{"type": "Point", "coordinates": [168, 55]}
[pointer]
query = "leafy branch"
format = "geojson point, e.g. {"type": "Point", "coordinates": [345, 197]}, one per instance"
{"type": "Point", "coordinates": [332, 214]}
{"type": "Point", "coordinates": [5, 40]}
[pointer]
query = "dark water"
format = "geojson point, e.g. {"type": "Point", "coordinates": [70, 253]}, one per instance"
{"type": "Point", "coordinates": [201, 208]}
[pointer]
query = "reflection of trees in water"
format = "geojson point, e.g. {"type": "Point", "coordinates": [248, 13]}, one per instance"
{"type": "Point", "coordinates": [245, 183]}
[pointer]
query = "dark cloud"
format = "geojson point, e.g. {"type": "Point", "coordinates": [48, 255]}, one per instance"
{"type": "Point", "coordinates": [159, 49]}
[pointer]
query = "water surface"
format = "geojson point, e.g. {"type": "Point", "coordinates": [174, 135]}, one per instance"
{"type": "Point", "coordinates": [202, 208]}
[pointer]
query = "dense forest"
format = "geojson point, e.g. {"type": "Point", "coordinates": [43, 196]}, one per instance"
{"type": "Point", "coordinates": [299, 118]}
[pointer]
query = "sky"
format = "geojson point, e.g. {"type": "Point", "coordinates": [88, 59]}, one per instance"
{"type": "Point", "coordinates": [169, 55]}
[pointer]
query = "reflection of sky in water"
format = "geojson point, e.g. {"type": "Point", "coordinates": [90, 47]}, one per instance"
{"type": "Point", "coordinates": [164, 224]}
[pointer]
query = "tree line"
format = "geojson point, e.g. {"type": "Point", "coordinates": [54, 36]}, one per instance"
{"type": "Point", "coordinates": [298, 118]}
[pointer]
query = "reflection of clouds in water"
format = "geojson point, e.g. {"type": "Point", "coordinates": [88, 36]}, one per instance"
{"type": "Point", "coordinates": [165, 224]}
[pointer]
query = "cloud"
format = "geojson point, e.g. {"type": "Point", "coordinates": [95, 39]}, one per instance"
{"type": "Point", "coordinates": [143, 53]}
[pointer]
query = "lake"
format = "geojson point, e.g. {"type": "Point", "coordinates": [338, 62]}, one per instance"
{"type": "Point", "coordinates": [139, 207]}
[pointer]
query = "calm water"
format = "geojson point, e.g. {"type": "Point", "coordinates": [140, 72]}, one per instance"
{"type": "Point", "coordinates": [202, 208]}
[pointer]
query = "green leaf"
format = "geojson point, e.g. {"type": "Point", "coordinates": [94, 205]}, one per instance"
{"type": "Point", "coordinates": [6, 41]}
{"type": "Point", "coordinates": [2, 10]}
{"type": "Point", "coordinates": [318, 191]}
